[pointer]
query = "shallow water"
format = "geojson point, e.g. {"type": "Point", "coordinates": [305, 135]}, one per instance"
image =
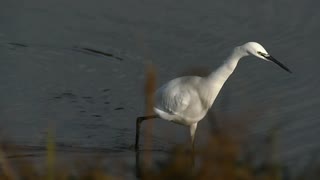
{"type": "Point", "coordinates": [78, 67]}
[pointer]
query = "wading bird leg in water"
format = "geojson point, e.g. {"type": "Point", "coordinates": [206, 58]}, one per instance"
{"type": "Point", "coordinates": [193, 129]}
{"type": "Point", "coordinates": [139, 121]}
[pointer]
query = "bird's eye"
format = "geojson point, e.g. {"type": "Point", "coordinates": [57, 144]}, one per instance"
{"type": "Point", "coordinates": [261, 53]}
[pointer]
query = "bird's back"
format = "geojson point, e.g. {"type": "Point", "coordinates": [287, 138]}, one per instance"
{"type": "Point", "coordinates": [179, 100]}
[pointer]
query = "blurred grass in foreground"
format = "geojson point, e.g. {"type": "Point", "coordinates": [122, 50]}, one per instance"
{"type": "Point", "coordinates": [222, 158]}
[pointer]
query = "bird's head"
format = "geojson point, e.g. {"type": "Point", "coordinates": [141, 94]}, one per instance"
{"type": "Point", "coordinates": [256, 49]}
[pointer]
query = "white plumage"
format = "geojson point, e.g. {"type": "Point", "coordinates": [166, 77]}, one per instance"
{"type": "Point", "coordinates": [186, 100]}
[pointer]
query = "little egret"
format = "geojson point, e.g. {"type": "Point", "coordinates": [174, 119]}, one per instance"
{"type": "Point", "coordinates": [186, 100]}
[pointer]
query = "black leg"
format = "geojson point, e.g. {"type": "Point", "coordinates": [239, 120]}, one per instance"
{"type": "Point", "coordinates": [138, 122]}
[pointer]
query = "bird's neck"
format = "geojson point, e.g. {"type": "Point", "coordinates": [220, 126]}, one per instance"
{"type": "Point", "coordinates": [214, 82]}
{"type": "Point", "coordinates": [217, 78]}
{"type": "Point", "coordinates": [220, 75]}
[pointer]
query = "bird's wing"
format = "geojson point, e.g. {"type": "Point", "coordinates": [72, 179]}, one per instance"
{"type": "Point", "coordinates": [174, 100]}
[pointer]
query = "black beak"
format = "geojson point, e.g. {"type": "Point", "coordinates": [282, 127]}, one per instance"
{"type": "Point", "coordinates": [277, 62]}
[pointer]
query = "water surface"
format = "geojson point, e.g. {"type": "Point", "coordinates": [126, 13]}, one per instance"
{"type": "Point", "coordinates": [79, 67]}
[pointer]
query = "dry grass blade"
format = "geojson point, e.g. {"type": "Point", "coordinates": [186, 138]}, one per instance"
{"type": "Point", "coordinates": [150, 87]}
{"type": "Point", "coordinates": [51, 156]}
{"type": "Point", "coordinates": [8, 172]}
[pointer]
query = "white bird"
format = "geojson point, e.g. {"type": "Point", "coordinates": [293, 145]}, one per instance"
{"type": "Point", "coordinates": [186, 100]}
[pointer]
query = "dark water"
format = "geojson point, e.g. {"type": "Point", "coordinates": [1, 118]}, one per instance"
{"type": "Point", "coordinates": [78, 66]}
